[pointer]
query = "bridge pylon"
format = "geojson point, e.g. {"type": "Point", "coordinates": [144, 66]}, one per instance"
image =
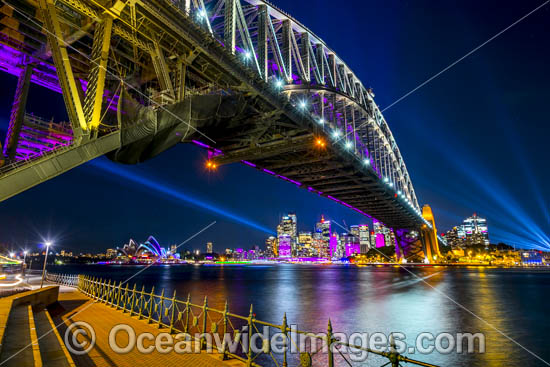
{"type": "Point", "coordinates": [428, 236]}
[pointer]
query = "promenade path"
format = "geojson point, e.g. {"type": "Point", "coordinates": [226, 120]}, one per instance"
{"type": "Point", "coordinates": [74, 306]}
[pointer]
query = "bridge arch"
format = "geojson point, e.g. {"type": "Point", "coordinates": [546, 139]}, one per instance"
{"type": "Point", "coordinates": [169, 52]}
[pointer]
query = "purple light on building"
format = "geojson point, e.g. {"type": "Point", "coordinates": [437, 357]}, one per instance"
{"type": "Point", "coordinates": [352, 249]}
{"type": "Point", "coordinates": [380, 240]}
{"type": "Point", "coordinates": [333, 244]}
{"type": "Point", "coordinates": [285, 249]}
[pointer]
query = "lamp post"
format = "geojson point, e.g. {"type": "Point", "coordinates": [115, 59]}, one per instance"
{"type": "Point", "coordinates": [24, 261]}
{"type": "Point", "coordinates": [45, 260]}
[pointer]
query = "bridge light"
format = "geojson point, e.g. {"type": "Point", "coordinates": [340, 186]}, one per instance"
{"type": "Point", "coordinates": [247, 55]}
{"type": "Point", "coordinates": [279, 83]}
{"type": "Point", "coordinates": [321, 121]}
{"type": "Point", "coordinates": [348, 144]}
{"type": "Point", "coordinates": [336, 134]}
{"type": "Point", "coordinates": [202, 13]}
{"type": "Point", "coordinates": [211, 165]}
{"type": "Point", "coordinates": [386, 179]}
{"type": "Point", "coordinates": [320, 142]}
{"type": "Point", "coordinates": [367, 162]}
{"type": "Point", "coordinates": [303, 104]}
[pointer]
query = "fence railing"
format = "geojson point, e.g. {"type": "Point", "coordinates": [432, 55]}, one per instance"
{"type": "Point", "coordinates": [201, 323]}
{"type": "Point", "coordinates": [63, 279]}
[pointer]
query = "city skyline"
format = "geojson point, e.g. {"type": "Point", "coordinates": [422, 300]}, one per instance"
{"type": "Point", "coordinates": [470, 174]}
{"type": "Point", "coordinates": [274, 183]}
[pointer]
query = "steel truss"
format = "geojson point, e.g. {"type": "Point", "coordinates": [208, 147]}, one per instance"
{"type": "Point", "coordinates": [161, 51]}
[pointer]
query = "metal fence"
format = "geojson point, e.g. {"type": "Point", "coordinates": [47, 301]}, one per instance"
{"type": "Point", "coordinates": [202, 323]}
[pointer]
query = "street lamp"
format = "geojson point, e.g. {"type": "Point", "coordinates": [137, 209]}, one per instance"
{"type": "Point", "coordinates": [24, 260]}
{"type": "Point", "coordinates": [45, 260]}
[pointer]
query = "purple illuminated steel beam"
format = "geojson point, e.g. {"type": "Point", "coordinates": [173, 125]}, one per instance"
{"type": "Point", "coordinates": [18, 111]}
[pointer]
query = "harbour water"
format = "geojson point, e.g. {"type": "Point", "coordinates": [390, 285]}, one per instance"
{"type": "Point", "coordinates": [509, 306]}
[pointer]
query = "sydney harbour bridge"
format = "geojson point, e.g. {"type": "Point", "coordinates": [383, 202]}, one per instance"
{"type": "Point", "coordinates": [241, 78]}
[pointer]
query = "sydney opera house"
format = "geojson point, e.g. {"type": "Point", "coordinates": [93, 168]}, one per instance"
{"type": "Point", "coordinates": [148, 249]}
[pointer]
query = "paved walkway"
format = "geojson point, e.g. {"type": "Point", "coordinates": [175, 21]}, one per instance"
{"type": "Point", "coordinates": [78, 307]}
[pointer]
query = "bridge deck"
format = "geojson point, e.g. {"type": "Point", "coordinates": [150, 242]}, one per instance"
{"type": "Point", "coordinates": [103, 318]}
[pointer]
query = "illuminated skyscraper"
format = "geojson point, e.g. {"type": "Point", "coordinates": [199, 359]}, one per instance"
{"type": "Point", "coordinates": [209, 247]}
{"type": "Point", "coordinates": [361, 232]}
{"type": "Point", "coordinates": [285, 248]}
{"type": "Point", "coordinates": [380, 233]}
{"type": "Point", "coordinates": [364, 238]}
{"type": "Point", "coordinates": [271, 247]}
{"type": "Point", "coordinates": [325, 242]}
{"type": "Point", "coordinates": [451, 236]}
{"type": "Point", "coordinates": [474, 231]}
{"type": "Point", "coordinates": [305, 244]}
{"type": "Point", "coordinates": [350, 243]}
{"type": "Point", "coordinates": [354, 231]}
{"type": "Point", "coordinates": [294, 225]}
{"type": "Point", "coordinates": [288, 227]}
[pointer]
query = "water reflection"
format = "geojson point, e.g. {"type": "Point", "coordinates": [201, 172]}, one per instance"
{"type": "Point", "coordinates": [373, 299]}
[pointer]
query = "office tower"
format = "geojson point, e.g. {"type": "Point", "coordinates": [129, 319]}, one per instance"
{"type": "Point", "coordinates": [474, 231]}
{"type": "Point", "coordinates": [326, 242]}
{"type": "Point", "coordinates": [364, 238]}
{"type": "Point", "coordinates": [271, 247]}
{"type": "Point", "coordinates": [288, 227]}
{"type": "Point", "coordinates": [380, 233]}
{"type": "Point", "coordinates": [285, 246]}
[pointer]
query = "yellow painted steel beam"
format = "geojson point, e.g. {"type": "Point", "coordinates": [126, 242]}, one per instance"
{"type": "Point", "coordinates": [63, 66]}
{"type": "Point", "coordinates": [96, 81]}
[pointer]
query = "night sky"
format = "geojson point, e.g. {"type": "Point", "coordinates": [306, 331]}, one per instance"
{"type": "Point", "coordinates": [475, 139]}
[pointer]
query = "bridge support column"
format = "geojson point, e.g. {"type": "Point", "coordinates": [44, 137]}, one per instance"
{"type": "Point", "coordinates": [63, 68]}
{"type": "Point", "coordinates": [263, 18]}
{"type": "Point", "coordinates": [18, 111]}
{"type": "Point", "coordinates": [306, 56]}
{"type": "Point", "coordinates": [287, 48]}
{"type": "Point", "coordinates": [429, 236]}
{"type": "Point", "coordinates": [96, 80]}
{"type": "Point", "coordinates": [162, 71]}
{"type": "Point", "coordinates": [230, 25]}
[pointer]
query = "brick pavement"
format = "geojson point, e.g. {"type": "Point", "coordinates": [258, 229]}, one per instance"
{"type": "Point", "coordinates": [102, 318]}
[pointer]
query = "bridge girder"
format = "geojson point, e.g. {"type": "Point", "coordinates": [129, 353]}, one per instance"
{"type": "Point", "coordinates": [186, 41]}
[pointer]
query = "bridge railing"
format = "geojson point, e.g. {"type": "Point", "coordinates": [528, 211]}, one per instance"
{"type": "Point", "coordinates": [209, 327]}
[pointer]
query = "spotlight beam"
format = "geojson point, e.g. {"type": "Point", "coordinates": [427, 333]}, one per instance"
{"type": "Point", "coordinates": [166, 190]}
